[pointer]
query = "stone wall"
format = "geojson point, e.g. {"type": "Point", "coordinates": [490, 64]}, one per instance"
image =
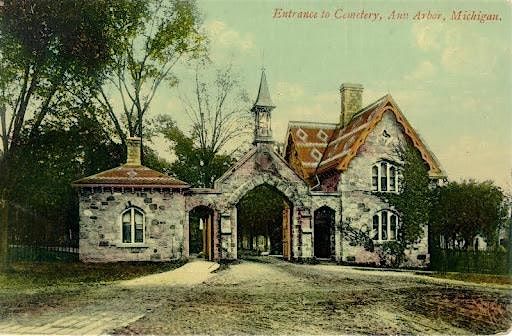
{"type": "Point", "coordinates": [360, 204]}
{"type": "Point", "coordinates": [100, 226]}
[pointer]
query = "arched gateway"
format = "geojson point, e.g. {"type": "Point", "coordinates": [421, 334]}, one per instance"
{"type": "Point", "coordinates": [322, 195]}
{"type": "Point", "coordinates": [260, 167]}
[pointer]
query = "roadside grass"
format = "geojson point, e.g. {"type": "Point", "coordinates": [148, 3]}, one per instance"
{"type": "Point", "coordinates": [476, 278]}
{"type": "Point", "coordinates": [31, 286]}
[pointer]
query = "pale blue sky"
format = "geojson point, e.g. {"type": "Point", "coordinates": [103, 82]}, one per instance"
{"type": "Point", "coordinates": [452, 79]}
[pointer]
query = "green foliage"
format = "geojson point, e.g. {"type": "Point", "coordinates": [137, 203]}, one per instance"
{"type": "Point", "coordinates": [413, 201]}
{"type": "Point", "coordinates": [391, 253]}
{"type": "Point", "coordinates": [263, 199]}
{"type": "Point", "coordinates": [194, 165]}
{"type": "Point", "coordinates": [54, 52]}
{"type": "Point", "coordinates": [167, 31]}
{"type": "Point", "coordinates": [357, 237]}
{"type": "Point", "coordinates": [467, 209]}
{"type": "Point", "coordinates": [41, 169]}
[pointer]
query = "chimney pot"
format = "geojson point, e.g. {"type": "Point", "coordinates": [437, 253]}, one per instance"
{"type": "Point", "coordinates": [133, 151]}
{"type": "Point", "coordinates": [351, 101]}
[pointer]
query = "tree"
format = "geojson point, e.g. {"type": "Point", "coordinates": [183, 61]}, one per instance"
{"type": "Point", "coordinates": [219, 112]}
{"type": "Point", "coordinates": [167, 32]}
{"type": "Point", "coordinates": [51, 54]}
{"type": "Point", "coordinates": [467, 209]}
{"type": "Point", "coordinates": [193, 164]}
{"type": "Point", "coordinates": [413, 202]}
{"type": "Point", "coordinates": [65, 150]}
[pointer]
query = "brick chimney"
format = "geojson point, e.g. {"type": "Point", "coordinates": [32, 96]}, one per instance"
{"type": "Point", "coordinates": [351, 101]}
{"type": "Point", "coordinates": [133, 151]}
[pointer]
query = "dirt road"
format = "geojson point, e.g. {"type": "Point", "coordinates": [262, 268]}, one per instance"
{"type": "Point", "coordinates": [275, 297]}
{"type": "Point", "coordinates": [284, 298]}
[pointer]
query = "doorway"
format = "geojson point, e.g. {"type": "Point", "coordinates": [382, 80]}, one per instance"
{"type": "Point", "coordinates": [323, 232]}
{"type": "Point", "coordinates": [201, 232]}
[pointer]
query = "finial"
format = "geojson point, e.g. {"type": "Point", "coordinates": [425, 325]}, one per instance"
{"type": "Point", "coordinates": [263, 60]}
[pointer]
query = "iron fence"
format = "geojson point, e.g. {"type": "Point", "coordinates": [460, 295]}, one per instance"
{"type": "Point", "coordinates": [487, 262]}
{"type": "Point", "coordinates": [32, 237]}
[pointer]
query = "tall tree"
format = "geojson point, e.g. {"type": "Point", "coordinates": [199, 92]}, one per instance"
{"type": "Point", "coordinates": [51, 50]}
{"type": "Point", "coordinates": [193, 164]}
{"type": "Point", "coordinates": [219, 109]}
{"type": "Point", "coordinates": [219, 115]}
{"type": "Point", "coordinates": [467, 209]}
{"type": "Point", "coordinates": [51, 54]}
{"type": "Point", "coordinates": [167, 32]}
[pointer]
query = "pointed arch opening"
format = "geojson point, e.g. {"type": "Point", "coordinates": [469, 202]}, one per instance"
{"type": "Point", "coordinates": [323, 233]}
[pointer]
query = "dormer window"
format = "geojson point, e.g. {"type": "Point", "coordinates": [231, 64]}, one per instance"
{"type": "Point", "coordinates": [384, 177]}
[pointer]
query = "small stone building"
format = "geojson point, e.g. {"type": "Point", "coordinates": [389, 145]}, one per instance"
{"type": "Point", "coordinates": [327, 178]}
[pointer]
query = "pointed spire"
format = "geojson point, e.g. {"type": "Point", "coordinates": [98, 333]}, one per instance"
{"type": "Point", "coordinates": [263, 98]}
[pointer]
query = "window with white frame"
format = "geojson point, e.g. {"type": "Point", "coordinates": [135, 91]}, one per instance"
{"type": "Point", "coordinates": [132, 226]}
{"type": "Point", "coordinates": [384, 176]}
{"type": "Point", "coordinates": [385, 225]}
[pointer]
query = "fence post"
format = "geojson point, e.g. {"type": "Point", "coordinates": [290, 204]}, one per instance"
{"type": "Point", "coordinates": [509, 246]}
{"type": "Point", "coordinates": [4, 232]}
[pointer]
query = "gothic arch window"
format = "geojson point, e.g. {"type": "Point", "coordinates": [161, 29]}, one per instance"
{"type": "Point", "coordinates": [132, 226]}
{"type": "Point", "coordinates": [384, 177]}
{"type": "Point", "coordinates": [385, 225]}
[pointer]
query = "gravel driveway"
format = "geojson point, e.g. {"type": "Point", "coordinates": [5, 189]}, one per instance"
{"type": "Point", "coordinates": [274, 297]}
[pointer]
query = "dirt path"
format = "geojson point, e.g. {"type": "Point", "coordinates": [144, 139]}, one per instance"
{"type": "Point", "coordinates": [108, 308]}
{"type": "Point", "coordinates": [277, 298]}
{"type": "Point", "coordinates": [284, 298]}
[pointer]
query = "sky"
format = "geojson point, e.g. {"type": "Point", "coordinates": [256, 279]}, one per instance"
{"type": "Point", "coordinates": [452, 79]}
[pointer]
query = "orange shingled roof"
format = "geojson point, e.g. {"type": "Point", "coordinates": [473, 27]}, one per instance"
{"type": "Point", "coordinates": [131, 176]}
{"type": "Point", "coordinates": [343, 143]}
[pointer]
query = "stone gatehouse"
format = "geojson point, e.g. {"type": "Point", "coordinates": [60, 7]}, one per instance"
{"type": "Point", "coordinates": [327, 179]}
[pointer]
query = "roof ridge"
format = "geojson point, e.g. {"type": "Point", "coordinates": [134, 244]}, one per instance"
{"type": "Point", "coordinates": [368, 107]}
{"type": "Point", "coordinates": [297, 122]}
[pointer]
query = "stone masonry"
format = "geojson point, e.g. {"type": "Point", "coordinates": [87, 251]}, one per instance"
{"type": "Point", "coordinates": [100, 226]}
{"type": "Point", "coordinates": [355, 185]}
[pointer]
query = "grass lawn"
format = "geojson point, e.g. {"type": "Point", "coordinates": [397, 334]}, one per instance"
{"type": "Point", "coordinates": [31, 286]}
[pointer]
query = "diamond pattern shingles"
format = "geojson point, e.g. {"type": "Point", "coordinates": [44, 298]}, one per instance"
{"type": "Point", "coordinates": [131, 176]}
{"type": "Point", "coordinates": [344, 141]}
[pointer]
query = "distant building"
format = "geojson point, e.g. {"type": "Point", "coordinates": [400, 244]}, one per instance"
{"type": "Point", "coordinates": [327, 178]}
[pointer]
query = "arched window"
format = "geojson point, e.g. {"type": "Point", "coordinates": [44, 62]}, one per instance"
{"type": "Point", "coordinates": [385, 225]}
{"type": "Point", "coordinates": [132, 226]}
{"type": "Point", "coordinates": [384, 177]}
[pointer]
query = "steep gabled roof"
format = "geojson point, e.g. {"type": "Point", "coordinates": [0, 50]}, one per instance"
{"type": "Point", "coordinates": [131, 176]}
{"type": "Point", "coordinates": [310, 140]}
{"type": "Point", "coordinates": [344, 142]}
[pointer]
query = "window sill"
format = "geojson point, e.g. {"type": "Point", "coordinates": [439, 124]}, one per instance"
{"type": "Point", "coordinates": [141, 245]}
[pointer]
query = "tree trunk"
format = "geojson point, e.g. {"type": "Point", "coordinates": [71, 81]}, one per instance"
{"type": "Point", "coordinates": [4, 230]}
